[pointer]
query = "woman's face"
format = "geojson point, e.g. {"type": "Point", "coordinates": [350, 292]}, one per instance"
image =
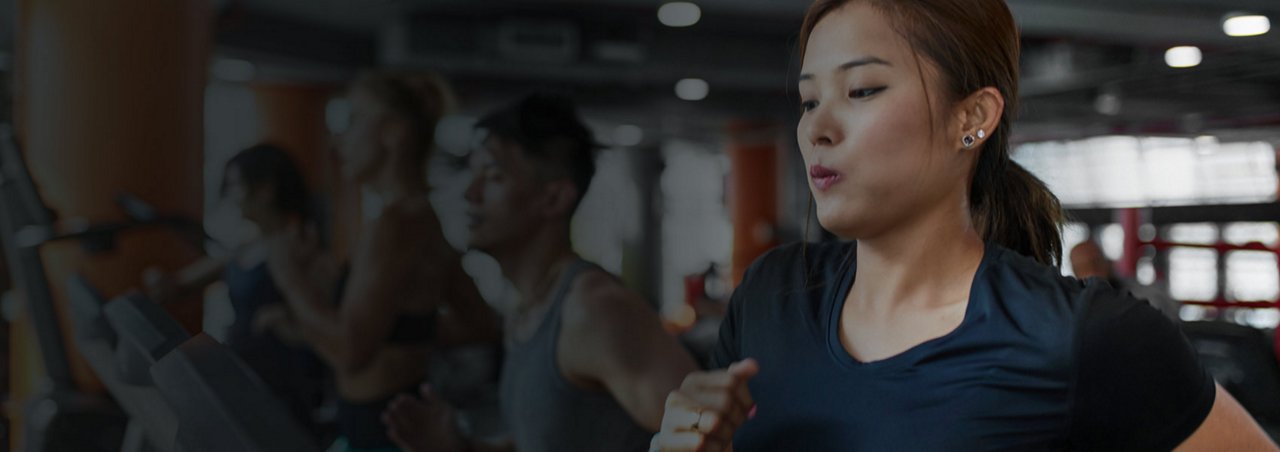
{"type": "Point", "coordinates": [254, 204]}
{"type": "Point", "coordinates": [361, 146]}
{"type": "Point", "coordinates": [874, 157]}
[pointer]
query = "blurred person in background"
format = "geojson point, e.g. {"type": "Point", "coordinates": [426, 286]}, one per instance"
{"type": "Point", "coordinates": [266, 187]}
{"type": "Point", "coordinates": [588, 364]}
{"type": "Point", "coordinates": [1088, 261]}
{"type": "Point", "coordinates": [404, 290]}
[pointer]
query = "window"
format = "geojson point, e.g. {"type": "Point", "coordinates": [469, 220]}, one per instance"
{"type": "Point", "coordinates": [1127, 171]}
{"type": "Point", "coordinates": [1193, 272]}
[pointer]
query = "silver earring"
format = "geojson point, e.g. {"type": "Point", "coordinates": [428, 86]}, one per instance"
{"type": "Point", "coordinates": [968, 140]}
{"type": "Point", "coordinates": [982, 134]}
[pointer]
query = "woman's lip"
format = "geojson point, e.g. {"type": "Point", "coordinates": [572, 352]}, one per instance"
{"type": "Point", "coordinates": [823, 177]}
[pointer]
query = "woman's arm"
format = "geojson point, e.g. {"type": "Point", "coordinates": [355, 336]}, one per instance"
{"type": "Point", "coordinates": [1228, 427]}
{"type": "Point", "coordinates": [164, 287]}
{"type": "Point", "coordinates": [275, 319]}
{"type": "Point", "coordinates": [346, 336]}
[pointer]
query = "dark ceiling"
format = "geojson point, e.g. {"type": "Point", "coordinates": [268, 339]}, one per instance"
{"type": "Point", "coordinates": [620, 61]}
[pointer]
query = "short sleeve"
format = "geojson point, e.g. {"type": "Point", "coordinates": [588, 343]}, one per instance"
{"type": "Point", "coordinates": [1139, 383]}
{"type": "Point", "coordinates": [728, 349]}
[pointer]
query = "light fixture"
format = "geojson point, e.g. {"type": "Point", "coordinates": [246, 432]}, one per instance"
{"type": "Point", "coordinates": [692, 89]}
{"type": "Point", "coordinates": [1241, 25]}
{"type": "Point", "coordinates": [627, 135]}
{"type": "Point", "coordinates": [679, 14]}
{"type": "Point", "coordinates": [1183, 56]}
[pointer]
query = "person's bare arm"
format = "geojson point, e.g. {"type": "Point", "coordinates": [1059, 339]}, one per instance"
{"type": "Point", "coordinates": [274, 318]}
{"type": "Point", "coordinates": [610, 335]}
{"type": "Point", "coordinates": [347, 336]}
{"type": "Point", "coordinates": [1228, 427]}
{"type": "Point", "coordinates": [166, 287]}
{"type": "Point", "coordinates": [202, 272]}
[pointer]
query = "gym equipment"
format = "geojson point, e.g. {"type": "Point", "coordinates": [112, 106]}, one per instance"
{"type": "Point", "coordinates": [172, 392]}
{"type": "Point", "coordinates": [1242, 361]}
{"type": "Point", "coordinates": [119, 358]}
{"type": "Point", "coordinates": [225, 406]}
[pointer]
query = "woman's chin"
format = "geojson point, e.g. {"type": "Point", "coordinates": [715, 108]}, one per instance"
{"type": "Point", "coordinates": [843, 221]}
{"type": "Point", "coordinates": [841, 227]}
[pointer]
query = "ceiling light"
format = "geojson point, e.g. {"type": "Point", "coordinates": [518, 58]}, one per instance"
{"type": "Point", "coordinates": [692, 89]}
{"type": "Point", "coordinates": [679, 14]}
{"type": "Point", "coordinates": [1183, 57]}
{"type": "Point", "coordinates": [1246, 25]}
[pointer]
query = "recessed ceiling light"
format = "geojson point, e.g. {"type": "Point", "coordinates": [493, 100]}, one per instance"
{"type": "Point", "coordinates": [679, 14]}
{"type": "Point", "coordinates": [1183, 57]}
{"type": "Point", "coordinates": [692, 89]}
{"type": "Point", "coordinates": [1246, 25]}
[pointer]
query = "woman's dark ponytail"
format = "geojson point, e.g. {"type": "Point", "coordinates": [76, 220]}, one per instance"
{"type": "Point", "coordinates": [1013, 208]}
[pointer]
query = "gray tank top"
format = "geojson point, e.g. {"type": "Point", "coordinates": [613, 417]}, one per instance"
{"type": "Point", "coordinates": [544, 411]}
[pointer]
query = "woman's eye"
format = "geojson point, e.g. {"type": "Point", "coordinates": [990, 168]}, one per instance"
{"type": "Point", "coordinates": [808, 105]}
{"type": "Point", "coordinates": [861, 93]}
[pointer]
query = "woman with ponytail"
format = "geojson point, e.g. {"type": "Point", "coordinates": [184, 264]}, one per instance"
{"type": "Point", "coordinates": [942, 323]}
{"type": "Point", "coordinates": [404, 290]}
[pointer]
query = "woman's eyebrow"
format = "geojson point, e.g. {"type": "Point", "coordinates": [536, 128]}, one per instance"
{"type": "Point", "coordinates": [850, 65]}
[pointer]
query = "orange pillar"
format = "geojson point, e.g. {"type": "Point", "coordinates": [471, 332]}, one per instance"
{"type": "Point", "coordinates": [293, 116]}
{"type": "Point", "coordinates": [753, 191]}
{"type": "Point", "coordinates": [111, 97]}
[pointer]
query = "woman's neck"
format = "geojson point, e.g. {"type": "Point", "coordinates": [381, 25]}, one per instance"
{"type": "Point", "coordinates": [926, 262]}
{"type": "Point", "coordinates": [273, 223]}
{"type": "Point", "coordinates": [397, 182]}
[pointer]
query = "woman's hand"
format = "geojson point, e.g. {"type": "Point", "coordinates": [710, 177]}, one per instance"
{"type": "Point", "coordinates": [707, 410]}
{"type": "Point", "coordinates": [425, 424]}
{"type": "Point", "coordinates": [275, 319]}
{"type": "Point", "coordinates": [293, 250]}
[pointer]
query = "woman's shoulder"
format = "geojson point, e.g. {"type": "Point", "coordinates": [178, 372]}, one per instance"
{"type": "Point", "coordinates": [1090, 306]}
{"type": "Point", "coordinates": [1019, 277]}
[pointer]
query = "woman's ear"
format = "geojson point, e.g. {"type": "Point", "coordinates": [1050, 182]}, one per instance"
{"type": "Point", "coordinates": [979, 116]}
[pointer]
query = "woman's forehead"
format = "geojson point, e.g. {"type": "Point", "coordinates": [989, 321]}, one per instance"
{"type": "Point", "coordinates": [854, 32]}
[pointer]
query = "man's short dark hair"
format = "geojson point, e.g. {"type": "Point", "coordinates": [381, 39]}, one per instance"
{"type": "Point", "coordinates": [548, 129]}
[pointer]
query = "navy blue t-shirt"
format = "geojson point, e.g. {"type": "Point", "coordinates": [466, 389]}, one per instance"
{"type": "Point", "coordinates": [1040, 362]}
